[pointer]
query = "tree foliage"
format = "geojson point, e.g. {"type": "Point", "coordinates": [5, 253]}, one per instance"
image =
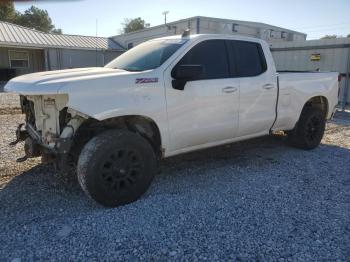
{"type": "Point", "coordinates": [36, 18]}
{"type": "Point", "coordinates": [333, 36]}
{"type": "Point", "coordinates": [33, 17]}
{"type": "Point", "coordinates": [7, 11]}
{"type": "Point", "coordinates": [131, 25]}
{"type": "Point", "coordinates": [57, 31]}
{"type": "Point", "coordinates": [329, 37]}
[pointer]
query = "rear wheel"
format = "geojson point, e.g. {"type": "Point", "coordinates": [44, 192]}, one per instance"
{"type": "Point", "coordinates": [116, 167]}
{"type": "Point", "coordinates": [309, 130]}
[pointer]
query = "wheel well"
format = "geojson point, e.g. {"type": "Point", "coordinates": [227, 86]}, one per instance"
{"type": "Point", "coordinates": [142, 125]}
{"type": "Point", "coordinates": [319, 102]}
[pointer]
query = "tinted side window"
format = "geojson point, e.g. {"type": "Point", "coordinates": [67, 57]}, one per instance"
{"type": "Point", "coordinates": [212, 55]}
{"type": "Point", "coordinates": [247, 58]}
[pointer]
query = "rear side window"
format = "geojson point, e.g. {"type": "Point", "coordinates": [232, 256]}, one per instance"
{"type": "Point", "coordinates": [212, 55]}
{"type": "Point", "coordinates": [247, 59]}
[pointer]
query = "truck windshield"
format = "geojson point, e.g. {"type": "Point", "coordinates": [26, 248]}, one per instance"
{"type": "Point", "coordinates": [146, 56]}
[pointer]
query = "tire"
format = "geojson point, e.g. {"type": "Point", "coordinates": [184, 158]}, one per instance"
{"type": "Point", "coordinates": [116, 167]}
{"type": "Point", "coordinates": [309, 130]}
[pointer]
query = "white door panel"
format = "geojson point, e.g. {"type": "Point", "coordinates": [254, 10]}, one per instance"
{"type": "Point", "coordinates": [205, 111]}
{"type": "Point", "coordinates": [258, 87]}
{"type": "Point", "coordinates": [258, 97]}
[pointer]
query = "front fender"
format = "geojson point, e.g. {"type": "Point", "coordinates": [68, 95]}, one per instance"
{"type": "Point", "coordinates": [101, 103]}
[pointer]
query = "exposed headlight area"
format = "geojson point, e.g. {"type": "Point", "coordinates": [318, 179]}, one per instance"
{"type": "Point", "coordinates": [47, 110]}
{"type": "Point", "coordinates": [49, 125]}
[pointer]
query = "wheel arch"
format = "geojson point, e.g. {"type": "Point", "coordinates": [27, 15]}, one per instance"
{"type": "Point", "coordinates": [143, 125]}
{"type": "Point", "coordinates": [320, 102]}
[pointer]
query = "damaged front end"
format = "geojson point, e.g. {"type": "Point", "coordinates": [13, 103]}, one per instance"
{"type": "Point", "coordinates": [49, 127]}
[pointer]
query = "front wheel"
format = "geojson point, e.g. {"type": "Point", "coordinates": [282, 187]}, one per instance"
{"type": "Point", "coordinates": [116, 167]}
{"type": "Point", "coordinates": [309, 130]}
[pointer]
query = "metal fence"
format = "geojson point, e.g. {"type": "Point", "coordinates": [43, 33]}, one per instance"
{"type": "Point", "coordinates": [317, 55]}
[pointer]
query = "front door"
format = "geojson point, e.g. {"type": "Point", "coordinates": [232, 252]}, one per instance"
{"type": "Point", "coordinates": [206, 111]}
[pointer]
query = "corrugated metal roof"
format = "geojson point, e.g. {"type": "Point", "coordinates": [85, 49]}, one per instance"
{"type": "Point", "coordinates": [15, 35]}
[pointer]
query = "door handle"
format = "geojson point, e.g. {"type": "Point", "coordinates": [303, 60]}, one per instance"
{"type": "Point", "coordinates": [268, 86]}
{"type": "Point", "coordinates": [229, 89]}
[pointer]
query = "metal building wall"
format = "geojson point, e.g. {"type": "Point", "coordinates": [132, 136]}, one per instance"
{"type": "Point", "coordinates": [4, 58]}
{"type": "Point", "coordinates": [209, 25]}
{"type": "Point", "coordinates": [138, 37]}
{"type": "Point", "coordinates": [74, 58]}
{"type": "Point", "coordinates": [36, 59]}
{"type": "Point", "coordinates": [335, 57]}
{"type": "Point", "coordinates": [111, 55]}
{"type": "Point", "coordinates": [269, 33]}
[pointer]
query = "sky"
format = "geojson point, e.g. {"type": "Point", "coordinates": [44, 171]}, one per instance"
{"type": "Point", "coordinates": [314, 17]}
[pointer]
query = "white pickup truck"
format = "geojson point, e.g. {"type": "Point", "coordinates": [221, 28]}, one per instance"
{"type": "Point", "coordinates": [162, 98]}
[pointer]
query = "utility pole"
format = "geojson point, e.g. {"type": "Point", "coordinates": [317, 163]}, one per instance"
{"type": "Point", "coordinates": [165, 14]}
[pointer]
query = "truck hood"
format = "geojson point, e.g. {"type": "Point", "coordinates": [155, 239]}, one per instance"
{"type": "Point", "coordinates": [51, 82]}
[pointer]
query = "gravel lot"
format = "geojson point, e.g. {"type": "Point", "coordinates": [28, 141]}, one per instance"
{"type": "Point", "coordinates": [254, 200]}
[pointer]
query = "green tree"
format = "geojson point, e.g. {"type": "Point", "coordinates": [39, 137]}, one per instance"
{"type": "Point", "coordinates": [8, 12]}
{"type": "Point", "coordinates": [33, 17]}
{"type": "Point", "coordinates": [131, 25]}
{"type": "Point", "coordinates": [348, 35]}
{"type": "Point", "coordinates": [329, 37]}
{"type": "Point", "coordinates": [36, 18]}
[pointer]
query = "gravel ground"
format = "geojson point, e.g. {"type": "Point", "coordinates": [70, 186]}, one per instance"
{"type": "Point", "coordinates": [254, 200]}
{"type": "Point", "coordinates": [9, 104]}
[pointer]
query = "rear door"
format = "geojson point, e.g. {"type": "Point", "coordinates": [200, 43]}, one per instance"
{"type": "Point", "coordinates": [258, 87]}
{"type": "Point", "coordinates": [206, 111]}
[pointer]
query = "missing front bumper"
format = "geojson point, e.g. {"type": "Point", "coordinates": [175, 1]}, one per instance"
{"type": "Point", "coordinates": [34, 147]}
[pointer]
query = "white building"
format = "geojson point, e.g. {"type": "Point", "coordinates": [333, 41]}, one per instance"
{"type": "Point", "coordinates": [209, 25]}
{"type": "Point", "coordinates": [24, 50]}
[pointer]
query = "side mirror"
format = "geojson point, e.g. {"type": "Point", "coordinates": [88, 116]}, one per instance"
{"type": "Point", "coordinates": [184, 73]}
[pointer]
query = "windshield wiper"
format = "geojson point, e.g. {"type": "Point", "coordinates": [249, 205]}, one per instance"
{"type": "Point", "coordinates": [129, 69]}
{"type": "Point", "coordinates": [133, 69]}
{"type": "Point", "coordinates": [118, 68]}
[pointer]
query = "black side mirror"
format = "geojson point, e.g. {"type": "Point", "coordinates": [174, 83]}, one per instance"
{"type": "Point", "coordinates": [184, 73]}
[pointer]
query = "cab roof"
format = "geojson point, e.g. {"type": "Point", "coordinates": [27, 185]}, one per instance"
{"type": "Point", "coordinates": [211, 36]}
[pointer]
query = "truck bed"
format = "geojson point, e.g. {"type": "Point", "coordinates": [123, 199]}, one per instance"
{"type": "Point", "coordinates": [295, 86]}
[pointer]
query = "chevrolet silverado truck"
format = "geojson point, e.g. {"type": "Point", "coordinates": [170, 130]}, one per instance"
{"type": "Point", "coordinates": [112, 125]}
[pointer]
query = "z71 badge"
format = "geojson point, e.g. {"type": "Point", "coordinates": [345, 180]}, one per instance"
{"type": "Point", "coordinates": [146, 80]}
